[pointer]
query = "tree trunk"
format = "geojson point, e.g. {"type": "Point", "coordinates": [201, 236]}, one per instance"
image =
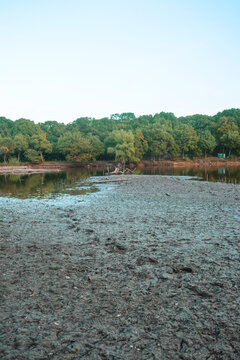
{"type": "Point", "coordinates": [183, 154]}
{"type": "Point", "coordinates": [41, 156]}
{"type": "Point", "coordinates": [19, 156]}
{"type": "Point", "coordinates": [5, 158]}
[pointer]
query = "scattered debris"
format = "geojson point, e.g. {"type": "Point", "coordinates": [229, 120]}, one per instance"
{"type": "Point", "coordinates": [121, 171]}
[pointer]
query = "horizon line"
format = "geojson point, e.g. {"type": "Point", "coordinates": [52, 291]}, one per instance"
{"type": "Point", "coordinates": [125, 112]}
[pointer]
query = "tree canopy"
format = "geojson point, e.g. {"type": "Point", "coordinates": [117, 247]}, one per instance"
{"type": "Point", "coordinates": [122, 137]}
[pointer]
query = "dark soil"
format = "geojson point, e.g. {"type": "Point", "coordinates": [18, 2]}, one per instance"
{"type": "Point", "coordinates": [144, 269]}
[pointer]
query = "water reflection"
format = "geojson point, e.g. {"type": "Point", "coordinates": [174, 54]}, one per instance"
{"type": "Point", "coordinates": [77, 182]}
{"type": "Point", "coordinates": [228, 175]}
{"type": "Point", "coordinates": [46, 185]}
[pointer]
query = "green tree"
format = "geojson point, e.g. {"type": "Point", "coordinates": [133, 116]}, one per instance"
{"type": "Point", "coordinates": [41, 144]}
{"type": "Point", "coordinates": [140, 144]}
{"type": "Point", "coordinates": [7, 146]}
{"type": "Point", "coordinates": [74, 147]}
{"type": "Point", "coordinates": [226, 125]}
{"type": "Point", "coordinates": [21, 144]}
{"type": "Point", "coordinates": [164, 134]}
{"type": "Point", "coordinates": [198, 122]}
{"type": "Point", "coordinates": [126, 116]}
{"type": "Point", "coordinates": [233, 114]}
{"type": "Point", "coordinates": [6, 127]}
{"type": "Point", "coordinates": [231, 141]}
{"type": "Point", "coordinates": [97, 147]}
{"type": "Point", "coordinates": [161, 143]}
{"type": "Point", "coordinates": [53, 131]}
{"type": "Point", "coordinates": [123, 146]}
{"type": "Point", "coordinates": [186, 138]}
{"type": "Point", "coordinates": [33, 156]}
{"type": "Point", "coordinates": [115, 116]}
{"type": "Point", "coordinates": [207, 142]}
{"type": "Point", "coordinates": [82, 124]}
{"type": "Point", "coordinates": [26, 127]}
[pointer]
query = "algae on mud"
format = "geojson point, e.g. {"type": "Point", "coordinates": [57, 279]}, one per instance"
{"type": "Point", "coordinates": [128, 273]}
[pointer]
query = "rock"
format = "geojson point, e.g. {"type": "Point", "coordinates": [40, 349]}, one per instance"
{"type": "Point", "coordinates": [142, 260]}
{"type": "Point", "coordinates": [165, 276]}
{"type": "Point", "coordinates": [199, 292]}
{"type": "Point", "coordinates": [182, 269]}
{"type": "Point", "coordinates": [74, 348]}
{"type": "Point", "coordinates": [120, 247]}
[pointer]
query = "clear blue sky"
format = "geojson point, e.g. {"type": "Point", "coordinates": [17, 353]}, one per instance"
{"type": "Point", "coordinates": [60, 60]}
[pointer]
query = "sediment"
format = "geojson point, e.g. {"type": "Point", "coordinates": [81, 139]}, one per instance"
{"type": "Point", "coordinates": [142, 269]}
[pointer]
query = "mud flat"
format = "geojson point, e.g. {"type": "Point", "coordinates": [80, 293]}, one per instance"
{"type": "Point", "coordinates": [144, 269]}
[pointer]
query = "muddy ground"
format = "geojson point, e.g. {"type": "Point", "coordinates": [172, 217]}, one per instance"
{"type": "Point", "coordinates": [144, 269]}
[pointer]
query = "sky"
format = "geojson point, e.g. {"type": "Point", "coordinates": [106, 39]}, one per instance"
{"type": "Point", "coordinates": [64, 59]}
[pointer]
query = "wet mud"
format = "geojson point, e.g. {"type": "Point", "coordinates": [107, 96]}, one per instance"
{"type": "Point", "coordinates": [143, 269]}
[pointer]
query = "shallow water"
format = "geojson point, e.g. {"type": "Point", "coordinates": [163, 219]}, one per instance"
{"type": "Point", "coordinates": [228, 174]}
{"type": "Point", "coordinates": [81, 182]}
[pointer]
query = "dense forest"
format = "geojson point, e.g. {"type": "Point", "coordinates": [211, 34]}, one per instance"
{"type": "Point", "coordinates": [122, 137]}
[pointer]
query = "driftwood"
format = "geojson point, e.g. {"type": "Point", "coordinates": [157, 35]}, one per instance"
{"type": "Point", "coordinates": [107, 181]}
{"type": "Point", "coordinates": [121, 171]}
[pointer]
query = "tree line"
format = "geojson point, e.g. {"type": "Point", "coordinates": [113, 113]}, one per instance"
{"type": "Point", "coordinates": [121, 137]}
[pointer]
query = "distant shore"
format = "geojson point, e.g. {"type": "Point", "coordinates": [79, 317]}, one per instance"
{"type": "Point", "coordinates": [55, 166]}
{"type": "Point", "coordinates": [204, 162]}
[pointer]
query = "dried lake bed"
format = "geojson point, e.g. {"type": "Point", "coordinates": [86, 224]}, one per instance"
{"type": "Point", "coordinates": [141, 269]}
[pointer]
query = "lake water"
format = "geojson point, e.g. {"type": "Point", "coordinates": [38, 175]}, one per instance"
{"type": "Point", "coordinates": [81, 181]}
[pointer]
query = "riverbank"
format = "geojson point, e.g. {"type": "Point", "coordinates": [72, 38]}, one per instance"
{"type": "Point", "coordinates": [143, 269]}
{"type": "Point", "coordinates": [208, 162]}
{"type": "Point", "coordinates": [51, 166]}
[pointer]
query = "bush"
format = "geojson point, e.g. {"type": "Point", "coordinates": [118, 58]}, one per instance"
{"type": "Point", "coordinates": [13, 161]}
{"type": "Point", "coordinates": [33, 156]}
{"type": "Point", "coordinates": [233, 157]}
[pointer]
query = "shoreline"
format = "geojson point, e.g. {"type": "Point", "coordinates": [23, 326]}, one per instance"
{"type": "Point", "coordinates": [56, 166]}
{"type": "Point", "coordinates": [209, 162]}
{"type": "Point", "coordinates": [24, 170]}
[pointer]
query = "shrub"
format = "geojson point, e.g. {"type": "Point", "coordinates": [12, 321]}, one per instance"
{"type": "Point", "coordinates": [13, 161]}
{"type": "Point", "coordinates": [33, 156]}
